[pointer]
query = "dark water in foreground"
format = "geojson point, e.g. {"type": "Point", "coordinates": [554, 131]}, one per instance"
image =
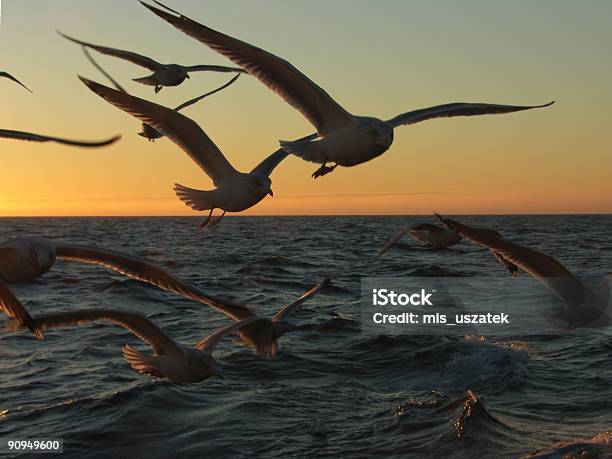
{"type": "Point", "coordinates": [332, 391]}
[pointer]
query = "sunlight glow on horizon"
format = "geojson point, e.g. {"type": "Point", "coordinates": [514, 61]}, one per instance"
{"type": "Point", "coordinates": [377, 60]}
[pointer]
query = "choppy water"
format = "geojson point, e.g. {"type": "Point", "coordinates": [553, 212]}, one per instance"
{"type": "Point", "coordinates": [332, 391]}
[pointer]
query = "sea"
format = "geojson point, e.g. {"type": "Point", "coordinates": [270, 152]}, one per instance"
{"type": "Point", "coordinates": [332, 391]}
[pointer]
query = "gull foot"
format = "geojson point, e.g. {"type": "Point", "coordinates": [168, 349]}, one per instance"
{"type": "Point", "coordinates": [323, 170]}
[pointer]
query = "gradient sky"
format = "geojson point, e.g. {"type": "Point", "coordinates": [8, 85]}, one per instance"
{"type": "Point", "coordinates": [374, 58]}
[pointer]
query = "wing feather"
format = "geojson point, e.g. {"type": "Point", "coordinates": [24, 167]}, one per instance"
{"type": "Point", "coordinates": [277, 74]}
{"type": "Point", "coordinates": [129, 56]}
{"type": "Point", "coordinates": [542, 267]}
{"type": "Point", "coordinates": [285, 311]}
{"type": "Point", "coordinates": [137, 324]}
{"type": "Point", "coordinates": [458, 109]}
{"type": "Point", "coordinates": [182, 130]}
{"type": "Point", "coordinates": [12, 307]}
{"type": "Point", "coordinates": [28, 136]}
{"type": "Point", "coordinates": [147, 272]}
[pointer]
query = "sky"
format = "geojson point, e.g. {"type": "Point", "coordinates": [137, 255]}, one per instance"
{"type": "Point", "coordinates": [375, 58]}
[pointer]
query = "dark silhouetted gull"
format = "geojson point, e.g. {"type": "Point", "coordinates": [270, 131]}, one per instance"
{"type": "Point", "coordinates": [342, 138]}
{"type": "Point", "coordinates": [235, 191]}
{"type": "Point", "coordinates": [149, 132]}
{"type": "Point", "coordinates": [163, 74]}
{"type": "Point", "coordinates": [171, 360]}
{"type": "Point", "coordinates": [431, 236]}
{"type": "Point", "coordinates": [585, 307]}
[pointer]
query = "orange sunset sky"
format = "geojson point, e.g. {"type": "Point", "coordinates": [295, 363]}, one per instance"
{"type": "Point", "coordinates": [374, 58]}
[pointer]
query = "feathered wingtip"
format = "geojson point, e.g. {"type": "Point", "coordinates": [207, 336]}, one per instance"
{"type": "Point", "coordinates": [14, 326]}
{"type": "Point", "coordinates": [442, 218]}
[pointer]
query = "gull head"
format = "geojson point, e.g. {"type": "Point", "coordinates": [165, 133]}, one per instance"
{"type": "Point", "coordinates": [202, 366]}
{"type": "Point", "coordinates": [262, 184]}
{"type": "Point", "coordinates": [377, 131]}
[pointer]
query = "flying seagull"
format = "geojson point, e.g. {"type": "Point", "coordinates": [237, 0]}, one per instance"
{"type": "Point", "coordinates": [342, 138]}
{"type": "Point", "coordinates": [163, 74]}
{"type": "Point", "coordinates": [24, 260]}
{"type": "Point", "coordinates": [431, 236]}
{"type": "Point", "coordinates": [28, 136]}
{"type": "Point", "coordinates": [235, 191]}
{"type": "Point", "coordinates": [584, 306]}
{"type": "Point", "coordinates": [263, 333]}
{"type": "Point", "coordinates": [172, 361]}
{"type": "Point", "coordinates": [11, 77]}
{"type": "Point", "coordinates": [149, 132]}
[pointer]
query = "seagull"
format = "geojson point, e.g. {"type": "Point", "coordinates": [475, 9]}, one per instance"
{"type": "Point", "coordinates": [431, 236]}
{"type": "Point", "coordinates": [163, 74]}
{"type": "Point", "coordinates": [584, 306]}
{"type": "Point", "coordinates": [24, 260]}
{"type": "Point", "coordinates": [172, 361]}
{"type": "Point", "coordinates": [11, 77]}
{"type": "Point", "coordinates": [235, 191]}
{"type": "Point", "coordinates": [149, 132]}
{"type": "Point", "coordinates": [12, 307]}
{"type": "Point", "coordinates": [342, 138]}
{"type": "Point", "coordinates": [262, 333]}
{"type": "Point", "coordinates": [28, 136]}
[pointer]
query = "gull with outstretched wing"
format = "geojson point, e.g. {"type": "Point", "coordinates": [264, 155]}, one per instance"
{"type": "Point", "coordinates": [235, 191]}
{"type": "Point", "coordinates": [163, 74]}
{"type": "Point", "coordinates": [584, 306]}
{"type": "Point", "coordinates": [431, 236]}
{"type": "Point", "coordinates": [171, 360]}
{"type": "Point", "coordinates": [149, 132]}
{"type": "Point", "coordinates": [342, 138]}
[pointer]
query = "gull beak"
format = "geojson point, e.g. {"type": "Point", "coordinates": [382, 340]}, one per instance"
{"type": "Point", "coordinates": [271, 193]}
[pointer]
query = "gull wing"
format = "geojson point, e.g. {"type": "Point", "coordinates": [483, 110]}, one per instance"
{"type": "Point", "coordinates": [269, 164]}
{"type": "Point", "coordinates": [147, 272]}
{"type": "Point", "coordinates": [183, 131]}
{"type": "Point", "coordinates": [101, 70]}
{"type": "Point", "coordinates": [277, 74]}
{"type": "Point", "coordinates": [392, 240]}
{"type": "Point", "coordinates": [209, 93]}
{"type": "Point", "coordinates": [213, 68]}
{"type": "Point", "coordinates": [12, 307]}
{"type": "Point", "coordinates": [209, 343]}
{"type": "Point", "coordinates": [458, 109]}
{"type": "Point", "coordinates": [129, 56]}
{"type": "Point", "coordinates": [12, 78]}
{"type": "Point", "coordinates": [285, 311]}
{"type": "Point", "coordinates": [28, 136]}
{"type": "Point", "coordinates": [138, 324]}
{"type": "Point", "coordinates": [552, 274]}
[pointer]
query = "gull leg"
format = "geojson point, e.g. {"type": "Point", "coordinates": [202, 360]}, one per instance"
{"type": "Point", "coordinates": [216, 222]}
{"type": "Point", "coordinates": [323, 170]}
{"type": "Point", "coordinates": [158, 88]}
{"type": "Point", "coordinates": [206, 222]}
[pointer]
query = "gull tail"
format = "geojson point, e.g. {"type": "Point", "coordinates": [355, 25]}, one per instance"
{"type": "Point", "coordinates": [145, 364]}
{"type": "Point", "coordinates": [196, 199]}
{"type": "Point", "coordinates": [148, 80]}
{"type": "Point", "coordinates": [306, 149]}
